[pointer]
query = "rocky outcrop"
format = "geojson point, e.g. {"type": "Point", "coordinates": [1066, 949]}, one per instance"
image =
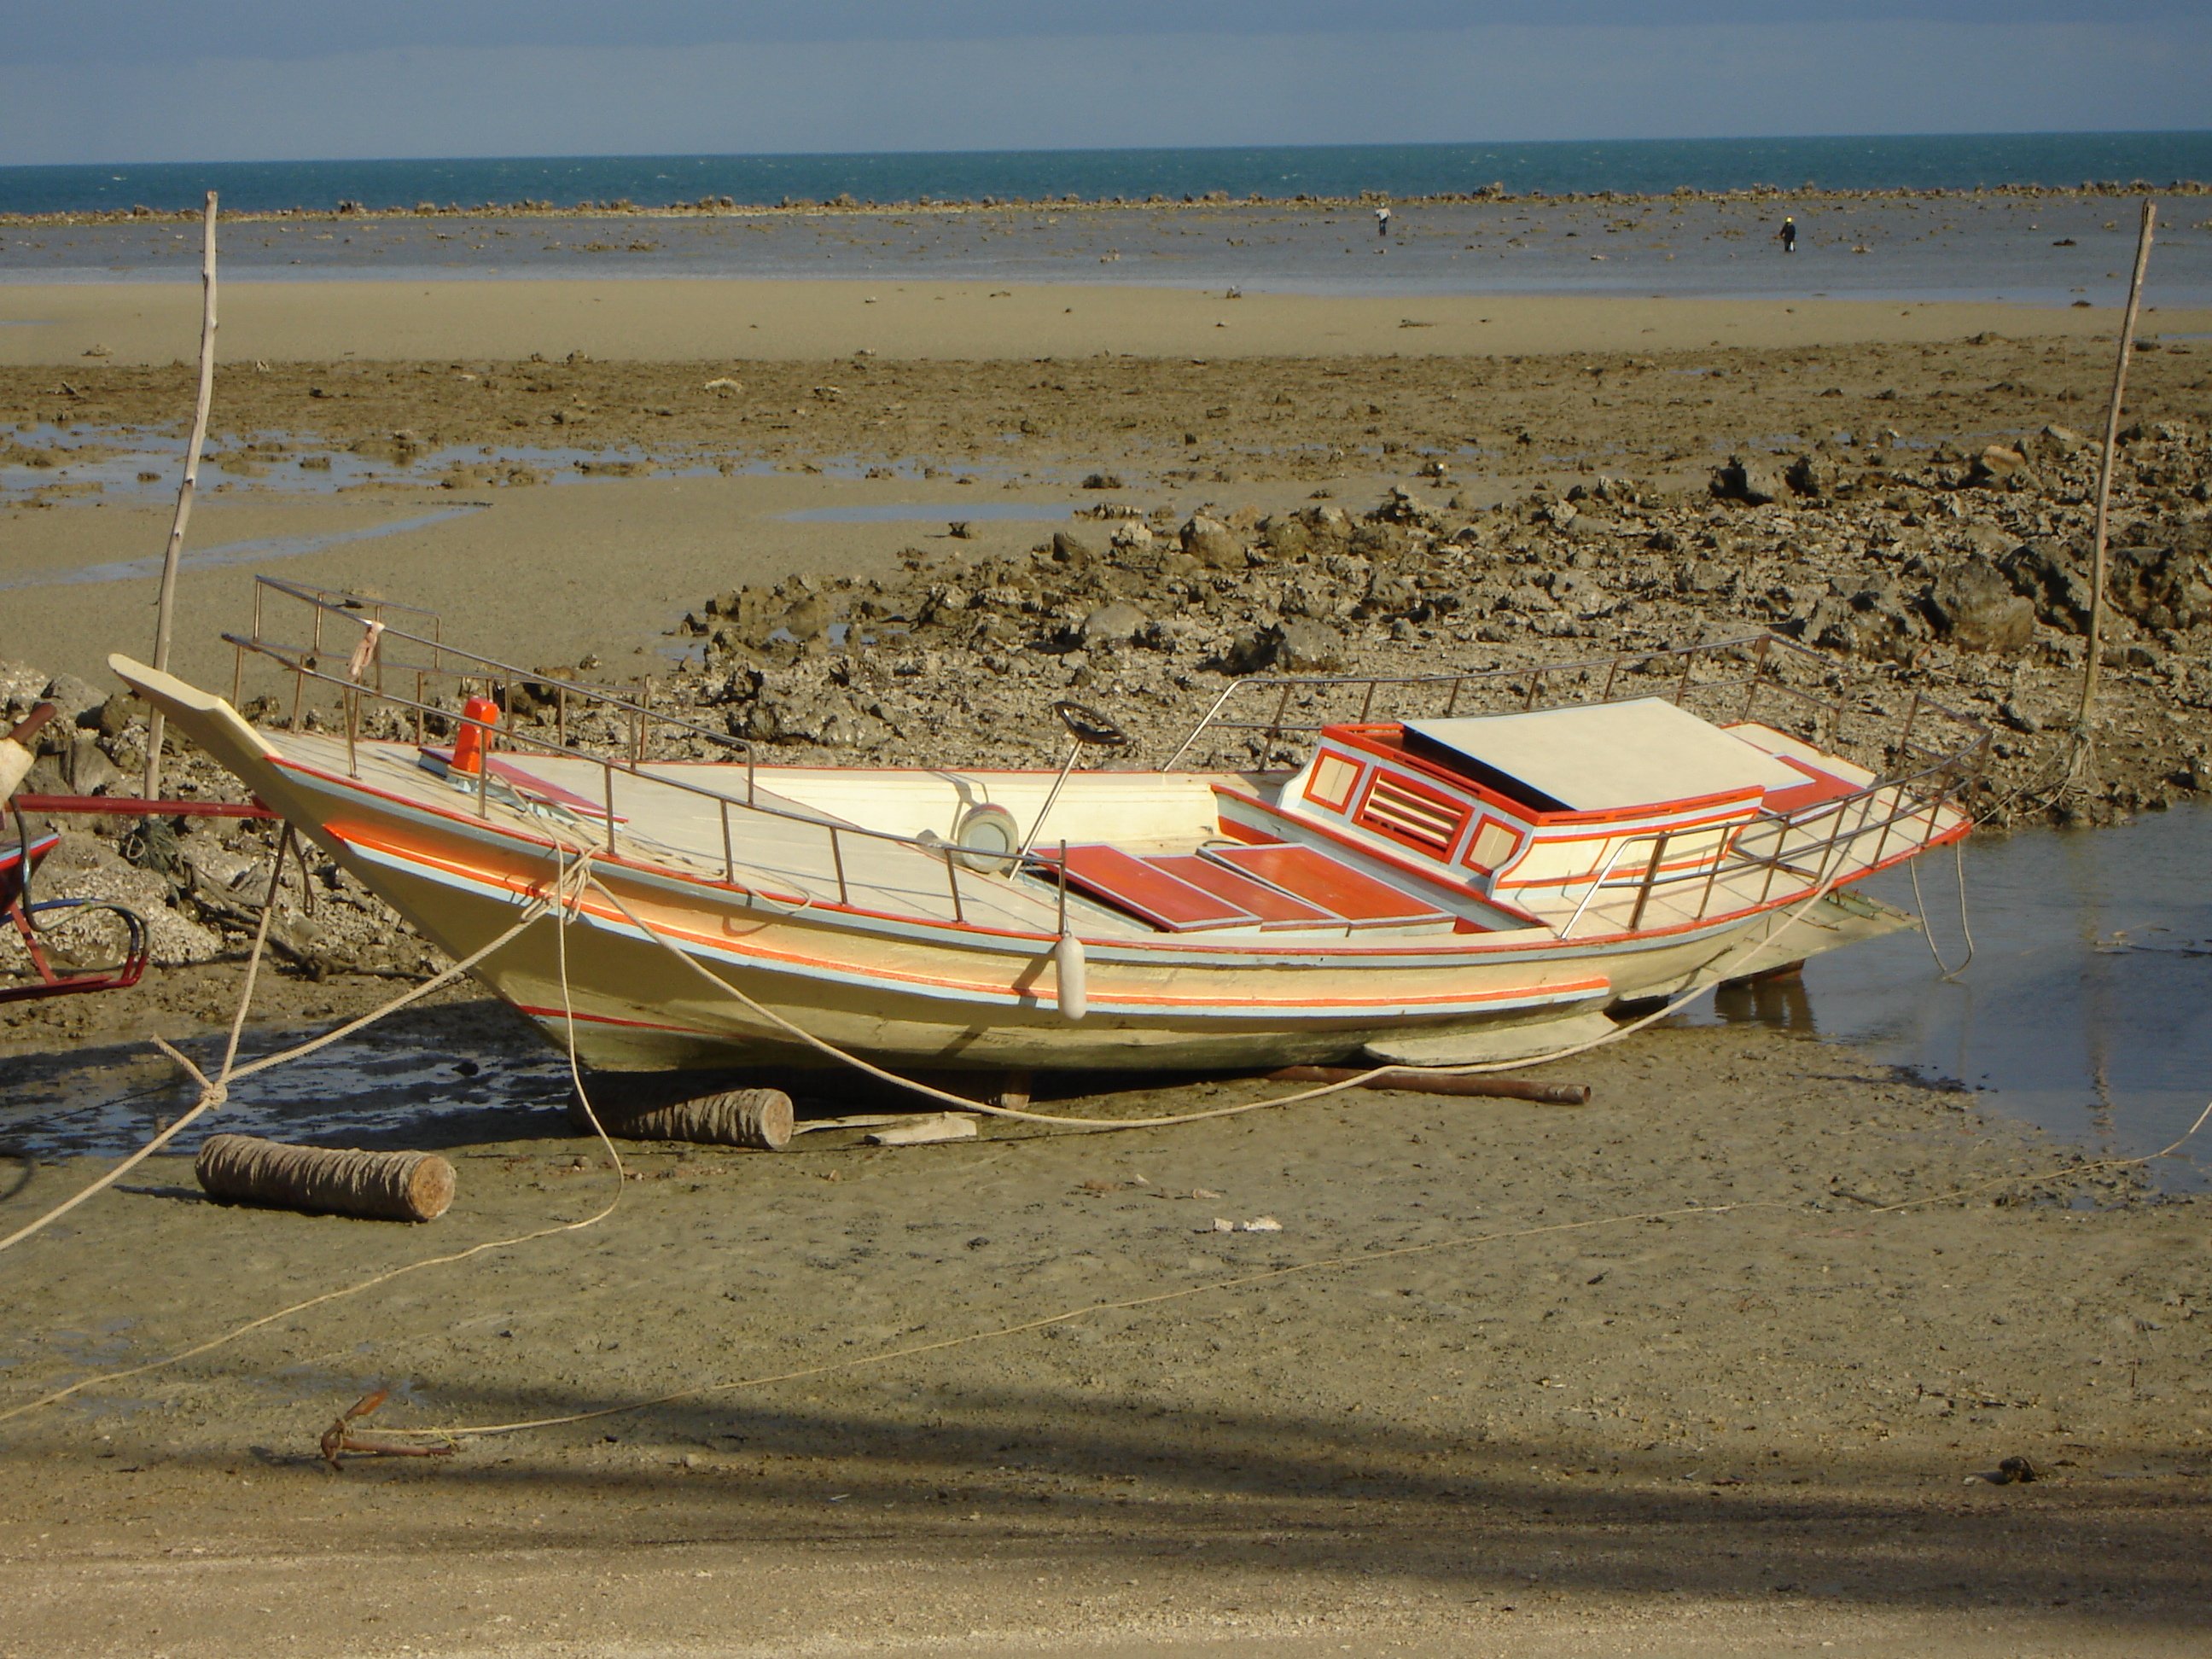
{"type": "Point", "coordinates": [1973, 605]}
{"type": "Point", "coordinates": [1754, 480]}
{"type": "Point", "coordinates": [2166, 588]}
{"type": "Point", "coordinates": [2050, 579]}
{"type": "Point", "coordinates": [1212, 542]}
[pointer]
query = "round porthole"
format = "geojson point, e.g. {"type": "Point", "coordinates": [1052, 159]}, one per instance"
{"type": "Point", "coordinates": [988, 840]}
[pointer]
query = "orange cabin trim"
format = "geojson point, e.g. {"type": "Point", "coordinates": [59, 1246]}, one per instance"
{"type": "Point", "coordinates": [1387, 742]}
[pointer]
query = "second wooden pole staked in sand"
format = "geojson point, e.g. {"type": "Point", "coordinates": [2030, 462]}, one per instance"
{"type": "Point", "coordinates": [165, 606]}
{"type": "Point", "coordinates": [2083, 762]}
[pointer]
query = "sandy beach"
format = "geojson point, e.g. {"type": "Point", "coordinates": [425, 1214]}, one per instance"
{"type": "Point", "coordinates": [643, 320]}
{"type": "Point", "coordinates": [1559, 1418]}
{"type": "Point", "coordinates": [1728, 1361]}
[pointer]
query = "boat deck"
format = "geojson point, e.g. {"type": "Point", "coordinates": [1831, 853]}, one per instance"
{"type": "Point", "coordinates": [1187, 883]}
{"type": "Point", "coordinates": [787, 853]}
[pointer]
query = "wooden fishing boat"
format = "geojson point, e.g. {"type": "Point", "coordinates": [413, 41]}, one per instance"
{"type": "Point", "coordinates": [1442, 868]}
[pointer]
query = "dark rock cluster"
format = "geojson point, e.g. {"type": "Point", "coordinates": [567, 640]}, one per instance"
{"type": "Point", "coordinates": [1963, 575]}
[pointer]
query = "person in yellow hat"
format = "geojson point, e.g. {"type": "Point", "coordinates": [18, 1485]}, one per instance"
{"type": "Point", "coordinates": [1789, 234]}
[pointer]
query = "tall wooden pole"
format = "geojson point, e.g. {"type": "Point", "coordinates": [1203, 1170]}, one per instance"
{"type": "Point", "coordinates": [184, 492]}
{"type": "Point", "coordinates": [2083, 739]}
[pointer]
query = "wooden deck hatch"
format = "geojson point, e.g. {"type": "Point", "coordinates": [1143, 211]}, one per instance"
{"type": "Point", "coordinates": [1309, 873]}
{"type": "Point", "coordinates": [1276, 886]}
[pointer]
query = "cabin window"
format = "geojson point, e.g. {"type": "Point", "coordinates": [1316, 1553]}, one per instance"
{"type": "Point", "coordinates": [1404, 811]}
{"type": "Point", "coordinates": [1334, 780]}
{"type": "Point", "coordinates": [1494, 842]}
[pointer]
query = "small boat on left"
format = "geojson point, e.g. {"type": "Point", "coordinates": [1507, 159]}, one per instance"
{"type": "Point", "coordinates": [20, 858]}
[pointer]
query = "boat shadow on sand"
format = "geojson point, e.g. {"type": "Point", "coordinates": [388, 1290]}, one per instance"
{"type": "Point", "coordinates": [1276, 1487]}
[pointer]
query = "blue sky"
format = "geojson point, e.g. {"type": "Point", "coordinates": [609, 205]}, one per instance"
{"type": "Point", "coordinates": [149, 81]}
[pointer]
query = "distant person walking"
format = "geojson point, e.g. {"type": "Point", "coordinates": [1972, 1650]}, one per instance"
{"type": "Point", "coordinates": [1789, 234]}
{"type": "Point", "coordinates": [1382, 221]}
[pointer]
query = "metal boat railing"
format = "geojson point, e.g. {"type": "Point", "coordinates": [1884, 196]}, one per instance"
{"type": "Point", "coordinates": [1827, 835]}
{"type": "Point", "coordinates": [375, 637]}
{"type": "Point", "coordinates": [369, 681]}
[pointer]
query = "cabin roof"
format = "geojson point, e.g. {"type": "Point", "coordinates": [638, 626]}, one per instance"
{"type": "Point", "coordinates": [1598, 757]}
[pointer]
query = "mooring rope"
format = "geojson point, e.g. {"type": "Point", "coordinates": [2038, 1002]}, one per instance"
{"type": "Point", "coordinates": [568, 907]}
{"type": "Point", "coordinates": [562, 904]}
{"type": "Point", "coordinates": [1945, 973]}
{"type": "Point", "coordinates": [214, 1091]}
{"type": "Point", "coordinates": [1702, 977]}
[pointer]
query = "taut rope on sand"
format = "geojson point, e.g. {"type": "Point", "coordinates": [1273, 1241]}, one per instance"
{"type": "Point", "coordinates": [561, 903]}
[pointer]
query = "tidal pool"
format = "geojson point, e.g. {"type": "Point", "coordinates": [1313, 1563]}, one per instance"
{"type": "Point", "coordinates": [2086, 1008]}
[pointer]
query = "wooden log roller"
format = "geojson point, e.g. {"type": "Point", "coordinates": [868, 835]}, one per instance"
{"type": "Point", "coordinates": [759, 1118]}
{"type": "Point", "coordinates": [375, 1186]}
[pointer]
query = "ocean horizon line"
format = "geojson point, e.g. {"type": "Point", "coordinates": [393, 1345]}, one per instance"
{"type": "Point", "coordinates": [504, 157]}
{"type": "Point", "coordinates": [1843, 163]}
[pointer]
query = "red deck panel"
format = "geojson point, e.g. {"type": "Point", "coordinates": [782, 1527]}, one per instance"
{"type": "Point", "coordinates": [1153, 895]}
{"type": "Point", "coordinates": [1820, 787]}
{"type": "Point", "coordinates": [1317, 878]}
{"type": "Point", "coordinates": [1262, 901]}
{"type": "Point", "coordinates": [529, 783]}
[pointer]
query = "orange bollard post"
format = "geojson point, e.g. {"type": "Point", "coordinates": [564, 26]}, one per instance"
{"type": "Point", "coordinates": [478, 716]}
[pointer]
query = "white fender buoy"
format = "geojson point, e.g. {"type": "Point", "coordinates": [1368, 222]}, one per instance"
{"type": "Point", "coordinates": [1071, 977]}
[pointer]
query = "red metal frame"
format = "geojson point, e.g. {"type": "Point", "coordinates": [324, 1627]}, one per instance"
{"type": "Point", "coordinates": [17, 863]}
{"type": "Point", "coordinates": [131, 806]}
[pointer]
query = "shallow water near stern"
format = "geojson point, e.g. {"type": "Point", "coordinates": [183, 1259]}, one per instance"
{"type": "Point", "coordinates": [2087, 1007]}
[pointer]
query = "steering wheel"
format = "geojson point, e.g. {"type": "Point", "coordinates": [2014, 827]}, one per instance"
{"type": "Point", "coordinates": [1088, 727]}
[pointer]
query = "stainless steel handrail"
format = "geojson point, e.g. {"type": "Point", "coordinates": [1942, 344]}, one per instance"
{"type": "Point", "coordinates": [1763, 650]}
{"type": "Point", "coordinates": [1909, 802]}
{"type": "Point", "coordinates": [302, 665]}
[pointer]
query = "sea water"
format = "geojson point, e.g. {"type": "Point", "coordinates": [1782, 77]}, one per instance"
{"type": "Point", "coordinates": [2087, 1007]}
{"type": "Point", "coordinates": [2045, 250]}
{"type": "Point", "coordinates": [1638, 166]}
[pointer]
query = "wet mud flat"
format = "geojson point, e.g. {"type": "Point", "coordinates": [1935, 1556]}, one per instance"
{"type": "Point", "coordinates": [2048, 248]}
{"type": "Point", "coordinates": [1676, 1356]}
{"type": "Point", "coordinates": [1747, 1341]}
{"type": "Point", "coordinates": [1760, 1297]}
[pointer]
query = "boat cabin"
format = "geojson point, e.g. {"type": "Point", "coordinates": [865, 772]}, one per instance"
{"type": "Point", "coordinates": [1531, 809]}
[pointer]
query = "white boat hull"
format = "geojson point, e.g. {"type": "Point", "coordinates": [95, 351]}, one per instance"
{"type": "Point", "coordinates": [669, 958]}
